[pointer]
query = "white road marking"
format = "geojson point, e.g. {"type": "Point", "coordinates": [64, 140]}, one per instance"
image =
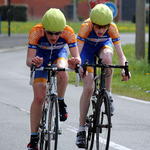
{"type": "Point", "coordinates": [16, 107]}
{"type": "Point", "coordinates": [135, 100]}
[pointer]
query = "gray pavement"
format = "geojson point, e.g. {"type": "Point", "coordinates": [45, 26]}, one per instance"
{"type": "Point", "coordinates": [15, 40]}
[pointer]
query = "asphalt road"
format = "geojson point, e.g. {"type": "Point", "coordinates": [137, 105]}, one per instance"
{"type": "Point", "coordinates": [131, 122]}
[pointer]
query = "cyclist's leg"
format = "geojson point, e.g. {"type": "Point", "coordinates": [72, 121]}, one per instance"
{"type": "Point", "coordinates": [106, 53]}
{"type": "Point", "coordinates": [39, 88]}
{"type": "Point", "coordinates": [60, 58]}
{"type": "Point", "coordinates": [62, 77]}
{"type": "Point", "coordinates": [36, 106]}
{"type": "Point", "coordinates": [87, 53]}
{"type": "Point", "coordinates": [88, 88]}
{"type": "Point", "coordinates": [62, 81]}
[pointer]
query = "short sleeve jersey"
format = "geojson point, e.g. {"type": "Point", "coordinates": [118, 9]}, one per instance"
{"type": "Point", "coordinates": [87, 34]}
{"type": "Point", "coordinates": [37, 39]}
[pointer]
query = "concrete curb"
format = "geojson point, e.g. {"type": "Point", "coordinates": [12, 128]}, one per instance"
{"type": "Point", "coordinates": [4, 50]}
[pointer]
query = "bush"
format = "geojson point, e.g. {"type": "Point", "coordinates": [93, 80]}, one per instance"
{"type": "Point", "coordinates": [4, 12]}
{"type": "Point", "coordinates": [17, 12]}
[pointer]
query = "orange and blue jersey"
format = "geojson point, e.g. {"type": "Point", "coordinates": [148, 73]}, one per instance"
{"type": "Point", "coordinates": [37, 39]}
{"type": "Point", "coordinates": [94, 44]}
{"type": "Point", "coordinates": [87, 34]}
{"type": "Point", "coordinates": [50, 52]}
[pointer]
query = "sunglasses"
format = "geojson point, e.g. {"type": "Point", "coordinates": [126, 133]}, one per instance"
{"type": "Point", "coordinates": [51, 33]}
{"type": "Point", "coordinates": [101, 27]}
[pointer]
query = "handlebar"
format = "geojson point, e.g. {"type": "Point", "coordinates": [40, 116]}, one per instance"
{"type": "Point", "coordinates": [126, 69]}
{"type": "Point", "coordinates": [100, 64]}
{"type": "Point", "coordinates": [54, 68]}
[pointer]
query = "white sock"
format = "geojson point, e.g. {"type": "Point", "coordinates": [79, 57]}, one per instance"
{"type": "Point", "coordinates": [109, 93]}
{"type": "Point", "coordinates": [81, 128]}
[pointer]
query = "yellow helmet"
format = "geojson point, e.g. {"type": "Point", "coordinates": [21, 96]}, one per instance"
{"type": "Point", "coordinates": [54, 20]}
{"type": "Point", "coordinates": [101, 14]}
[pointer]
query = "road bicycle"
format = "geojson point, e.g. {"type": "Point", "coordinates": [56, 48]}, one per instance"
{"type": "Point", "coordinates": [49, 128]}
{"type": "Point", "coordinates": [99, 121]}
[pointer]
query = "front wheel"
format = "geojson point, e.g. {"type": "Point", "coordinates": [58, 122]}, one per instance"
{"type": "Point", "coordinates": [90, 133]}
{"type": "Point", "coordinates": [103, 123]}
{"type": "Point", "coordinates": [41, 131]}
{"type": "Point", "coordinates": [51, 144]}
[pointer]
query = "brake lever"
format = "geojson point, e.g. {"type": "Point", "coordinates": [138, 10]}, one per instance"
{"type": "Point", "coordinates": [77, 70]}
{"type": "Point", "coordinates": [32, 69]}
{"type": "Point", "coordinates": [32, 73]}
{"type": "Point", "coordinates": [126, 69]}
{"type": "Point", "coordinates": [85, 67]}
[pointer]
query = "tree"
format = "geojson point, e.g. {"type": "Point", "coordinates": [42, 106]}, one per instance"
{"type": "Point", "coordinates": [140, 29]}
{"type": "Point", "coordinates": [75, 11]}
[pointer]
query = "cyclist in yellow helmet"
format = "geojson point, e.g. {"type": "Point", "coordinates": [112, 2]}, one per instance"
{"type": "Point", "coordinates": [47, 42]}
{"type": "Point", "coordinates": [95, 37]}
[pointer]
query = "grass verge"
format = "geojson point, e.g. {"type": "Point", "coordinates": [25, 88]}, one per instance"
{"type": "Point", "coordinates": [25, 27]}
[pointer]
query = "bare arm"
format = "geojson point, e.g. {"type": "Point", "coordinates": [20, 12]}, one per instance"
{"type": "Point", "coordinates": [122, 60]}
{"type": "Point", "coordinates": [120, 54]}
{"type": "Point", "coordinates": [30, 54]}
{"type": "Point", "coordinates": [80, 46]}
{"type": "Point", "coordinates": [75, 59]}
{"type": "Point", "coordinates": [32, 59]}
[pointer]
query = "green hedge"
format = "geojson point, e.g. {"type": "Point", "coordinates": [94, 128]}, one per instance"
{"type": "Point", "coordinates": [17, 12]}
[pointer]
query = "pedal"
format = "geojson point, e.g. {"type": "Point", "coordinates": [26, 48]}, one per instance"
{"type": "Point", "coordinates": [46, 137]}
{"type": "Point", "coordinates": [52, 135]}
{"type": "Point", "coordinates": [59, 131]}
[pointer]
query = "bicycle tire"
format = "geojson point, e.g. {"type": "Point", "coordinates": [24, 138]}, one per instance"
{"type": "Point", "coordinates": [41, 129]}
{"type": "Point", "coordinates": [51, 144]}
{"type": "Point", "coordinates": [103, 122]}
{"type": "Point", "coordinates": [42, 141]}
{"type": "Point", "coordinates": [90, 123]}
{"type": "Point", "coordinates": [91, 134]}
